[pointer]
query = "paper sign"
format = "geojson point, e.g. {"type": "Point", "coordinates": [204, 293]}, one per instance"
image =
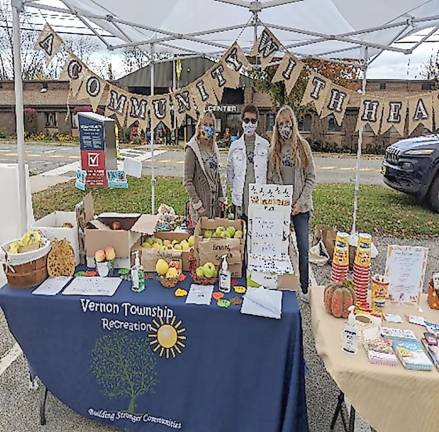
{"type": "Point", "coordinates": [405, 270]}
{"type": "Point", "coordinates": [52, 286]}
{"type": "Point", "coordinates": [81, 179]}
{"type": "Point", "coordinates": [262, 302]}
{"type": "Point", "coordinates": [93, 286]}
{"type": "Point", "coordinates": [200, 294]}
{"type": "Point", "coordinates": [117, 179]}
{"type": "Point", "coordinates": [132, 167]}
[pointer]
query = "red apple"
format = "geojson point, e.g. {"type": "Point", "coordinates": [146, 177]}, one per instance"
{"type": "Point", "coordinates": [110, 253]}
{"type": "Point", "coordinates": [116, 225]}
{"type": "Point", "coordinates": [100, 255]}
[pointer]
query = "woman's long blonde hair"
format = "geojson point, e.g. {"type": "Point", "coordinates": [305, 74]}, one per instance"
{"type": "Point", "coordinates": [300, 149]}
{"type": "Point", "coordinates": [200, 125]}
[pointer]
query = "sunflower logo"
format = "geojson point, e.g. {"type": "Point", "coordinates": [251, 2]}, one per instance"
{"type": "Point", "coordinates": [167, 337]}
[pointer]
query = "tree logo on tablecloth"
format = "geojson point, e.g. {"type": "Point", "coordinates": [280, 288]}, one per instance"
{"type": "Point", "coordinates": [124, 366]}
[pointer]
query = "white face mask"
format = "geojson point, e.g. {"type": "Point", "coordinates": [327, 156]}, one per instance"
{"type": "Point", "coordinates": [285, 131]}
{"type": "Point", "coordinates": [249, 128]}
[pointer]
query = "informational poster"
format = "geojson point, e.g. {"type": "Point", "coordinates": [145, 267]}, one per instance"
{"type": "Point", "coordinates": [269, 228]}
{"type": "Point", "coordinates": [117, 179]}
{"type": "Point", "coordinates": [405, 270]}
{"type": "Point", "coordinates": [81, 178]}
{"type": "Point", "coordinates": [91, 134]}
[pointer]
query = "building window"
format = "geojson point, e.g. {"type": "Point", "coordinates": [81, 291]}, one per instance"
{"type": "Point", "coordinates": [382, 86]}
{"type": "Point", "coordinates": [75, 121]}
{"type": "Point", "coordinates": [332, 124]}
{"type": "Point", "coordinates": [271, 117]}
{"type": "Point", "coordinates": [305, 123]}
{"type": "Point", "coordinates": [427, 86]}
{"type": "Point", "coordinates": [51, 120]}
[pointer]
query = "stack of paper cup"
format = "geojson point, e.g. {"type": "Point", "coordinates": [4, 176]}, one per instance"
{"type": "Point", "coordinates": [379, 292]}
{"type": "Point", "coordinates": [362, 265]}
{"type": "Point", "coordinates": [340, 259]}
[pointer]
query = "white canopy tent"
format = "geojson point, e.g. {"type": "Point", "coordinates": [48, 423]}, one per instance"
{"type": "Point", "coordinates": [331, 29]}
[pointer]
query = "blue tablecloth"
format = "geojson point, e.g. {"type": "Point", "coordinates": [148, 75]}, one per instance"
{"type": "Point", "coordinates": [231, 372]}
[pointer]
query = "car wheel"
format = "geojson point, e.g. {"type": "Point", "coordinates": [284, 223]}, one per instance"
{"type": "Point", "coordinates": [434, 194]}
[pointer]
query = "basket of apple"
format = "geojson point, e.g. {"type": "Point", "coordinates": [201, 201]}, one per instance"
{"type": "Point", "coordinates": [169, 272]}
{"type": "Point", "coordinates": [206, 274]}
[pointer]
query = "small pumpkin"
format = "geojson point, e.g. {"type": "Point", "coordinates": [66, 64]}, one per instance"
{"type": "Point", "coordinates": [338, 297]}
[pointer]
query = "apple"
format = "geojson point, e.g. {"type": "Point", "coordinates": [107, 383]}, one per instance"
{"type": "Point", "coordinates": [191, 241]}
{"type": "Point", "coordinates": [231, 230]}
{"type": "Point", "coordinates": [116, 225]}
{"type": "Point", "coordinates": [171, 273]}
{"type": "Point", "coordinates": [178, 247]}
{"type": "Point", "coordinates": [67, 225]}
{"type": "Point", "coordinates": [184, 245]}
{"type": "Point", "coordinates": [146, 245]}
{"type": "Point", "coordinates": [200, 272]}
{"type": "Point", "coordinates": [161, 267]}
{"type": "Point", "coordinates": [166, 243]}
{"type": "Point", "coordinates": [159, 241]}
{"type": "Point", "coordinates": [208, 234]}
{"type": "Point", "coordinates": [100, 255]}
{"type": "Point", "coordinates": [209, 270]}
{"type": "Point", "coordinates": [110, 253]}
{"type": "Point", "coordinates": [238, 234]}
{"type": "Point", "coordinates": [150, 240]}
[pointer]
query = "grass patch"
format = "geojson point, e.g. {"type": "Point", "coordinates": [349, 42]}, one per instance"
{"type": "Point", "coordinates": [381, 211]}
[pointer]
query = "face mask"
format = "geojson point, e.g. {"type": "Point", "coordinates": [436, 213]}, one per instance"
{"type": "Point", "coordinates": [208, 132]}
{"type": "Point", "coordinates": [285, 131]}
{"type": "Point", "coordinates": [249, 128]}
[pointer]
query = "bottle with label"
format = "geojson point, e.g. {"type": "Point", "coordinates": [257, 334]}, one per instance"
{"type": "Point", "coordinates": [225, 276]}
{"type": "Point", "coordinates": [137, 274]}
{"type": "Point", "coordinates": [349, 337]}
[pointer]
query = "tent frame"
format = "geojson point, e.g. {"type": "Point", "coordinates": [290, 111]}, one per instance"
{"type": "Point", "coordinates": [167, 39]}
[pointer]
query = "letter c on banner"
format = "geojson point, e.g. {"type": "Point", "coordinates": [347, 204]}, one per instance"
{"type": "Point", "coordinates": [74, 69]}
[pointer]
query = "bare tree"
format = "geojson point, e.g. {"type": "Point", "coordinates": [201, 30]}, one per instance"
{"type": "Point", "coordinates": [134, 59]}
{"type": "Point", "coordinates": [430, 70]}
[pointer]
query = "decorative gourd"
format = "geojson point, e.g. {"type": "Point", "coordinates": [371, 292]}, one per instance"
{"type": "Point", "coordinates": [338, 297]}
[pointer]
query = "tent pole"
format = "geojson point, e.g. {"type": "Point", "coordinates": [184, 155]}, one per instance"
{"type": "Point", "coordinates": [152, 49]}
{"type": "Point", "coordinates": [17, 7]}
{"type": "Point", "coordinates": [359, 149]}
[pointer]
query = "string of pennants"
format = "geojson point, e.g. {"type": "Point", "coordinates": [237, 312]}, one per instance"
{"type": "Point", "coordinates": [379, 112]}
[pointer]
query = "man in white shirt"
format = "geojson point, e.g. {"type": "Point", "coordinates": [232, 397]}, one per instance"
{"type": "Point", "coordinates": [247, 161]}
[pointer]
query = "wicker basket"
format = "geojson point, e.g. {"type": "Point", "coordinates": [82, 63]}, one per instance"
{"type": "Point", "coordinates": [27, 275]}
{"type": "Point", "coordinates": [169, 282]}
{"type": "Point", "coordinates": [203, 281]}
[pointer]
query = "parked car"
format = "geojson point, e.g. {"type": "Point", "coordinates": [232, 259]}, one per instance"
{"type": "Point", "coordinates": [412, 166]}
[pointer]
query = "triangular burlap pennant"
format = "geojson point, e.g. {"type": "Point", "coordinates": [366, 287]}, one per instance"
{"type": "Point", "coordinates": [49, 42]}
{"type": "Point", "coordinates": [232, 76]}
{"type": "Point", "coordinates": [161, 111]}
{"type": "Point", "coordinates": [394, 114]}
{"type": "Point", "coordinates": [288, 71]}
{"type": "Point", "coordinates": [117, 103]}
{"type": "Point", "coordinates": [203, 92]}
{"type": "Point", "coordinates": [316, 91]}
{"type": "Point", "coordinates": [420, 112]}
{"type": "Point", "coordinates": [217, 79]}
{"type": "Point", "coordinates": [184, 104]}
{"type": "Point", "coordinates": [235, 58]}
{"type": "Point", "coordinates": [266, 47]}
{"type": "Point", "coordinates": [435, 96]}
{"type": "Point", "coordinates": [138, 108]}
{"type": "Point", "coordinates": [336, 103]}
{"type": "Point", "coordinates": [92, 89]}
{"type": "Point", "coordinates": [371, 112]}
{"type": "Point", "coordinates": [74, 71]}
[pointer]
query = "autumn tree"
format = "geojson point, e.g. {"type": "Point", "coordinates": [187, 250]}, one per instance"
{"type": "Point", "coordinates": [124, 366]}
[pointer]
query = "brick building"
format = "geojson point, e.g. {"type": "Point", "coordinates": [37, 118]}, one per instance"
{"type": "Point", "coordinates": [46, 107]}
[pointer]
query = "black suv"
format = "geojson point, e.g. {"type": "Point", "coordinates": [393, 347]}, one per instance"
{"type": "Point", "coordinates": [412, 166]}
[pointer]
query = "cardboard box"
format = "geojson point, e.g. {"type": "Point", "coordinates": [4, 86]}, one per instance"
{"type": "Point", "coordinates": [98, 235]}
{"type": "Point", "coordinates": [211, 250]}
{"type": "Point", "coordinates": [286, 282]}
{"type": "Point", "coordinates": [52, 228]}
{"type": "Point", "coordinates": [151, 256]}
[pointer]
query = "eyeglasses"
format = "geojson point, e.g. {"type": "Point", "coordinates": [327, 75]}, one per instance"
{"type": "Point", "coordinates": [247, 120]}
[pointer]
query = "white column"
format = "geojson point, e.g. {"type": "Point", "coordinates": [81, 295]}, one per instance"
{"type": "Point", "coordinates": [17, 7]}
{"type": "Point", "coordinates": [359, 149]}
{"type": "Point", "coordinates": [152, 134]}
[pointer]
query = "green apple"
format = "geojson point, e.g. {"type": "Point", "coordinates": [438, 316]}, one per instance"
{"type": "Point", "coordinates": [184, 245]}
{"type": "Point", "coordinates": [231, 230]}
{"type": "Point", "coordinates": [156, 246]}
{"type": "Point", "coordinates": [238, 234]}
{"type": "Point", "coordinates": [191, 241]}
{"type": "Point", "coordinates": [209, 270]}
{"type": "Point", "coordinates": [178, 247]}
{"type": "Point", "coordinates": [166, 243]}
{"type": "Point", "coordinates": [216, 234]}
{"type": "Point", "coordinates": [200, 272]}
{"type": "Point", "coordinates": [208, 234]}
{"type": "Point", "coordinates": [150, 240]}
{"type": "Point", "coordinates": [159, 241]}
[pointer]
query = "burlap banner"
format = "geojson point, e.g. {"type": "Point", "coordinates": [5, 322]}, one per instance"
{"type": "Point", "coordinates": [161, 111]}
{"type": "Point", "coordinates": [203, 92]}
{"type": "Point", "coordinates": [316, 91]}
{"type": "Point", "coordinates": [49, 42]}
{"type": "Point", "coordinates": [183, 104]}
{"type": "Point", "coordinates": [138, 107]}
{"type": "Point", "coordinates": [336, 103]}
{"type": "Point", "coordinates": [288, 71]}
{"type": "Point", "coordinates": [394, 114]}
{"type": "Point", "coordinates": [235, 58]}
{"type": "Point", "coordinates": [92, 89]}
{"type": "Point", "coordinates": [420, 112]}
{"type": "Point", "coordinates": [266, 47]}
{"type": "Point", "coordinates": [117, 103]}
{"type": "Point", "coordinates": [74, 71]}
{"type": "Point", "coordinates": [371, 112]}
{"type": "Point", "coordinates": [220, 78]}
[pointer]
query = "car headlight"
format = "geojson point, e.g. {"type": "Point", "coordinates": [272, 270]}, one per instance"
{"type": "Point", "coordinates": [419, 152]}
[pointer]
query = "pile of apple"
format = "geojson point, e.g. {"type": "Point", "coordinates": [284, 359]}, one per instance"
{"type": "Point", "coordinates": [207, 271]}
{"type": "Point", "coordinates": [168, 270]}
{"type": "Point", "coordinates": [223, 232]}
{"type": "Point", "coordinates": [107, 254]}
{"type": "Point", "coordinates": [163, 245]}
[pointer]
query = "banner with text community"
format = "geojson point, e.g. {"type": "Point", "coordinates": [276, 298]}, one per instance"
{"type": "Point", "coordinates": [380, 112]}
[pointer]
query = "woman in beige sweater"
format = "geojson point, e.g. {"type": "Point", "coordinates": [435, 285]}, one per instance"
{"type": "Point", "coordinates": [201, 171]}
{"type": "Point", "coordinates": [290, 162]}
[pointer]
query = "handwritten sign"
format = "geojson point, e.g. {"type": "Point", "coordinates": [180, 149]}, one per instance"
{"type": "Point", "coordinates": [405, 270]}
